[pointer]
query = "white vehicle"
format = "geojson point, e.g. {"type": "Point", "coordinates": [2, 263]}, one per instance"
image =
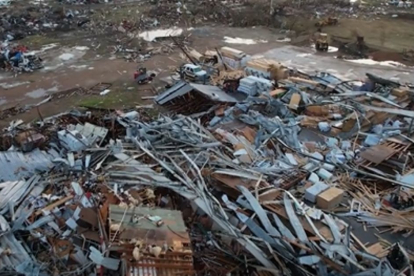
{"type": "Point", "coordinates": [194, 72]}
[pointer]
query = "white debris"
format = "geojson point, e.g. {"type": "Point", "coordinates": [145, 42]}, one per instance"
{"type": "Point", "coordinates": [291, 159]}
{"type": "Point", "coordinates": [78, 66]}
{"type": "Point", "coordinates": [106, 91]}
{"type": "Point", "coordinates": [66, 56]}
{"type": "Point", "coordinates": [81, 48]}
{"type": "Point", "coordinates": [314, 178]}
{"type": "Point", "coordinates": [49, 25]}
{"type": "Point", "coordinates": [286, 39]}
{"type": "Point", "coordinates": [324, 174]}
{"type": "Point", "coordinates": [238, 40]}
{"type": "Point", "coordinates": [12, 85]}
{"type": "Point", "coordinates": [152, 35]}
{"type": "Point", "coordinates": [368, 61]}
{"type": "Point", "coordinates": [43, 49]}
{"type": "Point", "coordinates": [304, 55]}
{"type": "Point", "coordinates": [312, 192]}
{"type": "Point", "coordinates": [324, 126]}
{"type": "Point", "coordinates": [53, 67]}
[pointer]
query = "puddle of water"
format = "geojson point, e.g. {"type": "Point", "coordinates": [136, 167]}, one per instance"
{"type": "Point", "coordinates": [304, 55]}
{"type": "Point", "coordinates": [41, 92]}
{"type": "Point", "coordinates": [81, 48]}
{"type": "Point", "coordinates": [53, 89]}
{"type": "Point", "coordinates": [66, 56]}
{"type": "Point", "coordinates": [52, 67]}
{"type": "Point", "coordinates": [368, 61]}
{"type": "Point", "coordinates": [238, 40]}
{"type": "Point", "coordinates": [13, 84]}
{"type": "Point", "coordinates": [78, 67]}
{"type": "Point", "coordinates": [44, 48]}
{"type": "Point", "coordinates": [3, 101]}
{"type": "Point", "coordinates": [38, 93]}
{"type": "Point", "coordinates": [286, 39]}
{"type": "Point", "coordinates": [152, 35]}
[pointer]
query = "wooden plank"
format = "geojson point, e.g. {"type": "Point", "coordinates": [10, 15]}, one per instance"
{"type": "Point", "coordinates": [53, 205]}
{"type": "Point", "coordinates": [377, 249]}
{"type": "Point", "coordinates": [378, 153]}
{"type": "Point", "coordinates": [295, 101]}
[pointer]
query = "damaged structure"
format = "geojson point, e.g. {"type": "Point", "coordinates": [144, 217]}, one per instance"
{"type": "Point", "coordinates": [295, 177]}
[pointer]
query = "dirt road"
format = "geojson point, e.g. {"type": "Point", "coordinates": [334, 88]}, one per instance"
{"type": "Point", "coordinates": [72, 66]}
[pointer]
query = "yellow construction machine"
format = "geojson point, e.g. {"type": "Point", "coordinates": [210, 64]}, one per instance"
{"type": "Point", "coordinates": [329, 21]}
{"type": "Point", "coordinates": [321, 42]}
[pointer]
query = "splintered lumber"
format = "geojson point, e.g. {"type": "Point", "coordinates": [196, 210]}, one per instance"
{"type": "Point", "coordinates": [264, 64]}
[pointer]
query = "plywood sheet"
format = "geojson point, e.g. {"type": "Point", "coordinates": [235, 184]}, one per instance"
{"type": "Point", "coordinates": [378, 153]}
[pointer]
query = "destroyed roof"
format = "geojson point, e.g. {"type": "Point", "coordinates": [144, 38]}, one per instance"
{"type": "Point", "coordinates": [213, 93]}
{"type": "Point", "coordinates": [179, 89]}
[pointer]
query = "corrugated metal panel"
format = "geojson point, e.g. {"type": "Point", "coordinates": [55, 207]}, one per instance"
{"type": "Point", "coordinates": [15, 165]}
{"type": "Point", "coordinates": [18, 256]}
{"type": "Point", "coordinates": [72, 140]}
{"type": "Point", "coordinates": [179, 89]}
{"type": "Point", "coordinates": [92, 132]}
{"type": "Point", "coordinates": [214, 93]}
{"type": "Point", "coordinates": [97, 257]}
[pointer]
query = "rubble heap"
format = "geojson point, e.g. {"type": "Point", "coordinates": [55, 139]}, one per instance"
{"type": "Point", "coordinates": [281, 174]}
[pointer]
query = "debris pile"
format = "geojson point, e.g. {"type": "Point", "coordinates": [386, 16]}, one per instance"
{"type": "Point", "coordinates": [17, 59]}
{"type": "Point", "coordinates": [38, 20]}
{"type": "Point", "coordinates": [260, 170]}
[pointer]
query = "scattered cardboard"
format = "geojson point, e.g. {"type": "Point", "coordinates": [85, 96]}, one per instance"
{"type": "Point", "coordinates": [330, 198]}
{"type": "Point", "coordinates": [295, 101]}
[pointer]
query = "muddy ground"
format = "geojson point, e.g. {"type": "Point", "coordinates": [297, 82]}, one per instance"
{"type": "Point", "coordinates": [82, 59]}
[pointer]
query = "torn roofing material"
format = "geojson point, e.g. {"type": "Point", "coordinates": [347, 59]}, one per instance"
{"type": "Point", "coordinates": [213, 93]}
{"type": "Point", "coordinates": [19, 257]}
{"type": "Point", "coordinates": [179, 89]}
{"type": "Point", "coordinates": [92, 132]}
{"type": "Point", "coordinates": [16, 165]}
